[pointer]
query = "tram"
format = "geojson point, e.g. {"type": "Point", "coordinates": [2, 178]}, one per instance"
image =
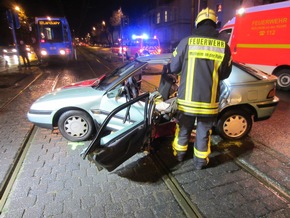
{"type": "Point", "coordinates": [54, 38]}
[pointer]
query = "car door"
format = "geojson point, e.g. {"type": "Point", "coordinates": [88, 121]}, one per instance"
{"type": "Point", "coordinates": [110, 150]}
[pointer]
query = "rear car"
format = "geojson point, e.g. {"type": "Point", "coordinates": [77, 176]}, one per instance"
{"type": "Point", "coordinates": [248, 95]}
{"type": "Point", "coordinates": [9, 50]}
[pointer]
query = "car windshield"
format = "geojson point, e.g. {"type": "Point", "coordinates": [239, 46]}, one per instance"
{"type": "Point", "coordinates": [120, 74]}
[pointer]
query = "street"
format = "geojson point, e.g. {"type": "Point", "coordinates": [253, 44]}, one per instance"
{"type": "Point", "coordinates": [246, 178]}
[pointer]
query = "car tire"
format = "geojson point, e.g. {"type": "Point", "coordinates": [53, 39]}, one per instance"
{"type": "Point", "coordinates": [76, 126]}
{"type": "Point", "coordinates": [234, 124]}
{"type": "Point", "coordinates": [283, 80]}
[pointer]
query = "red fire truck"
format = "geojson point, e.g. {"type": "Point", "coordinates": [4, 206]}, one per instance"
{"type": "Point", "coordinates": [139, 46]}
{"type": "Point", "coordinates": [259, 37]}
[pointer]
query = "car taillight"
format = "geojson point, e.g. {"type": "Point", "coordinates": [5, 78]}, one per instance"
{"type": "Point", "coordinates": [67, 51]}
{"type": "Point", "coordinates": [272, 93]}
{"type": "Point", "coordinates": [124, 49]}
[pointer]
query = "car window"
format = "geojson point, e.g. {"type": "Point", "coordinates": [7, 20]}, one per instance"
{"type": "Point", "coordinates": [120, 74]}
{"type": "Point", "coordinates": [238, 75]}
{"type": "Point", "coordinates": [151, 75]}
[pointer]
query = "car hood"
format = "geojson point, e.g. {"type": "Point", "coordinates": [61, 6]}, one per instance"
{"type": "Point", "coordinates": [68, 97]}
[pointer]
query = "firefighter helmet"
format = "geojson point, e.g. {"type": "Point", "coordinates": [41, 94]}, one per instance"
{"type": "Point", "coordinates": [205, 14]}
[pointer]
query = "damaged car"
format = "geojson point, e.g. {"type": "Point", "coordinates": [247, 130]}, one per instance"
{"type": "Point", "coordinates": [123, 111]}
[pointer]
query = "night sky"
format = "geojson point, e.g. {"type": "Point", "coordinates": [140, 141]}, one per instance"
{"type": "Point", "coordinates": [81, 14]}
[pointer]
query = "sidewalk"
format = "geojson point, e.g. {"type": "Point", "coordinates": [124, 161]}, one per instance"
{"type": "Point", "coordinates": [4, 67]}
{"type": "Point", "coordinates": [11, 75]}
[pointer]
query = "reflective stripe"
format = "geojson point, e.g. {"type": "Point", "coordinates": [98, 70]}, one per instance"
{"type": "Point", "coordinates": [174, 53]}
{"type": "Point", "coordinates": [215, 80]}
{"type": "Point", "coordinates": [201, 154]}
{"type": "Point", "coordinates": [175, 145]}
{"type": "Point", "coordinates": [198, 104]}
{"type": "Point", "coordinates": [189, 78]}
{"type": "Point", "coordinates": [210, 55]}
{"type": "Point", "coordinates": [198, 107]}
{"type": "Point", "coordinates": [179, 147]}
{"type": "Point", "coordinates": [198, 110]}
{"type": "Point", "coordinates": [282, 46]}
{"type": "Point", "coordinates": [204, 154]}
{"type": "Point", "coordinates": [207, 42]}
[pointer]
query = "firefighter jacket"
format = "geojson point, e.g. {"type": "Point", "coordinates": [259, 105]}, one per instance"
{"type": "Point", "coordinates": [202, 60]}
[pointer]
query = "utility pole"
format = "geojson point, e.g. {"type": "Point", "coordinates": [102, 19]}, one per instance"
{"type": "Point", "coordinates": [121, 32]}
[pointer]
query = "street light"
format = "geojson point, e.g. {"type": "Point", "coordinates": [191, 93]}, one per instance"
{"type": "Point", "coordinates": [17, 8]}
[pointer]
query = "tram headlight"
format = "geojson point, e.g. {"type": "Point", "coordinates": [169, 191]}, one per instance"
{"type": "Point", "coordinates": [62, 52]}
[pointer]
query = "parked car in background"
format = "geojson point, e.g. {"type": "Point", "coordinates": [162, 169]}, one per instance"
{"type": "Point", "coordinates": [9, 50]}
{"type": "Point", "coordinates": [78, 110]}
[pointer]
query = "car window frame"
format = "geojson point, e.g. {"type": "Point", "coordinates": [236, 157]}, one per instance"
{"type": "Point", "coordinates": [121, 74]}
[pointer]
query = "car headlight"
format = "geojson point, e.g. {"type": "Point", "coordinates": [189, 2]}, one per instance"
{"type": "Point", "coordinates": [43, 52]}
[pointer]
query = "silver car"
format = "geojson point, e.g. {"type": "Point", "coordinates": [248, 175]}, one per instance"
{"type": "Point", "coordinates": [79, 110]}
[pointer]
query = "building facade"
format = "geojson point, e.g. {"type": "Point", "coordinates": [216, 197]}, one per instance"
{"type": "Point", "coordinates": [172, 20]}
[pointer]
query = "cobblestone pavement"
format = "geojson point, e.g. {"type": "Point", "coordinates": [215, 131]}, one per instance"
{"type": "Point", "coordinates": [54, 181]}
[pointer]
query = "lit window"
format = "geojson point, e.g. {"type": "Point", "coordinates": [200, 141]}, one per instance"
{"type": "Point", "coordinates": [158, 18]}
{"type": "Point", "coordinates": [165, 16]}
{"type": "Point", "coordinates": [219, 8]}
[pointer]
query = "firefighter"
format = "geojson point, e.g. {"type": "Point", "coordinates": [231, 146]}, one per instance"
{"type": "Point", "coordinates": [202, 60]}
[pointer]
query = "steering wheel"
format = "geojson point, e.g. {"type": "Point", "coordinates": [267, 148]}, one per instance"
{"type": "Point", "coordinates": [133, 87]}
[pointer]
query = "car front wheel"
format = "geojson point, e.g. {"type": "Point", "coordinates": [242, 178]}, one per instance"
{"type": "Point", "coordinates": [235, 124]}
{"type": "Point", "coordinates": [76, 125]}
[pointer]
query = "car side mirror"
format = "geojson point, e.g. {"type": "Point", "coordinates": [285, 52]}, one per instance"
{"type": "Point", "coordinates": [113, 93]}
{"type": "Point", "coordinates": [118, 92]}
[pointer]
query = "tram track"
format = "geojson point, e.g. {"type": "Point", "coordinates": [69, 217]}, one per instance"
{"type": "Point", "coordinates": [267, 181]}
{"type": "Point", "coordinates": [191, 209]}
{"type": "Point", "coordinates": [20, 92]}
{"type": "Point", "coordinates": [15, 168]}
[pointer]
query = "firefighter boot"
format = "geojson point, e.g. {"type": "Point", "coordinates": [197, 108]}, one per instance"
{"type": "Point", "coordinates": [179, 155]}
{"type": "Point", "coordinates": [179, 151]}
{"type": "Point", "coordinates": [200, 163]}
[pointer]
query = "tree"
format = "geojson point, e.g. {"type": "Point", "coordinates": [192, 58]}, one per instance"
{"type": "Point", "coordinates": [116, 22]}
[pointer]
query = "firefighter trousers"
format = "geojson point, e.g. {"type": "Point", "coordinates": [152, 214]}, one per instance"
{"type": "Point", "coordinates": [184, 128]}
